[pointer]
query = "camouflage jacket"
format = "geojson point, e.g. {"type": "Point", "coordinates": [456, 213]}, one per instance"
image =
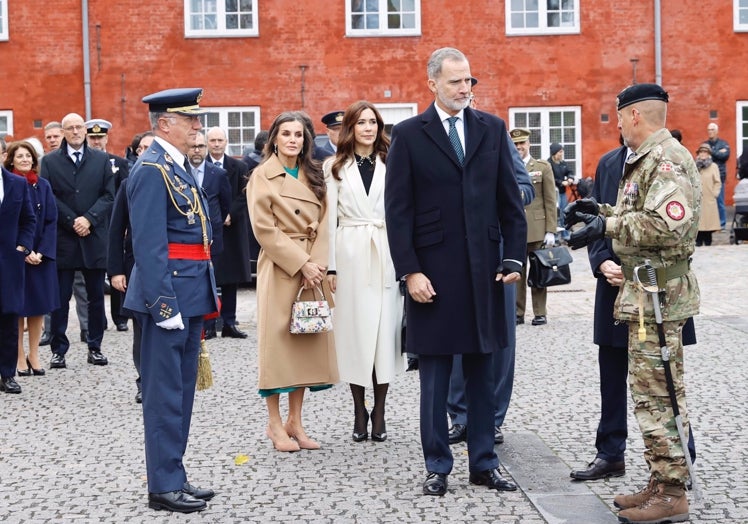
{"type": "Point", "coordinates": [656, 217]}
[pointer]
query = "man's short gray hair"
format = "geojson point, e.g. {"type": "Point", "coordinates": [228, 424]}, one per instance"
{"type": "Point", "coordinates": [434, 66]}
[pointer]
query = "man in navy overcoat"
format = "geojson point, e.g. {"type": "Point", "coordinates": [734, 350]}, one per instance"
{"type": "Point", "coordinates": [16, 240]}
{"type": "Point", "coordinates": [450, 199]}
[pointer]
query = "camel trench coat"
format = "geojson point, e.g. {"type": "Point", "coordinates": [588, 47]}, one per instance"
{"type": "Point", "coordinates": [291, 226]}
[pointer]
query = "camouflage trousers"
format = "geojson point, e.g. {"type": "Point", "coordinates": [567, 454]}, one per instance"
{"type": "Point", "coordinates": [664, 453]}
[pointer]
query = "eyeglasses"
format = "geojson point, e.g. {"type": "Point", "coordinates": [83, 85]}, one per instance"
{"type": "Point", "coordinates": [199, 146]}
{"type": "Point", "coordinates": [74, 128]}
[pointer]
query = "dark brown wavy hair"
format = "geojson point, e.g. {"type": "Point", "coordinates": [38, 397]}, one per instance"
{"type": "Point", "coordinates": [347, 138]}
{"type": "Point", "coordinates": [15, 146]}
{"type": "Point", "coordinates": [311, 167]}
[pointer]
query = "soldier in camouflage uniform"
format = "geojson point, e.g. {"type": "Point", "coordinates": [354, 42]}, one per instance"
{"type": "Point", "coordinates": [656, 217]}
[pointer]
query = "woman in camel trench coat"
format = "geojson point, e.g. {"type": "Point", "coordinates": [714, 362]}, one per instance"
{"type": "Point", "coordinates": [286, 201]}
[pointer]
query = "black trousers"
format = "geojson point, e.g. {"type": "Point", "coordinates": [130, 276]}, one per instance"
{"type": "Point", "coordinates": [94, 279]}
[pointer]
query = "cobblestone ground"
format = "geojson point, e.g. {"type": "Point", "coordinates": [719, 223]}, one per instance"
{"type": "Point", "coordinates": [71, 448]}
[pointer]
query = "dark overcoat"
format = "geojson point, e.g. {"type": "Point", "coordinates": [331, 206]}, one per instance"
{"type": "Point", "coordinates": [42, 293]}
{"type": "Point", "coordinates": [448, 221]}
{"type": "Point", "coordinates": [18, 222]}
{"type": "Point", "coordinates": [232, 266]}
{"type": "Point", "coordinates": [120, 168]}
{"type": "Point", "coordinates": [86, 191]}
{"type": "Point", "coordinates": [605, 190]}
{"type": "Point", "coordinates": [218, 192]}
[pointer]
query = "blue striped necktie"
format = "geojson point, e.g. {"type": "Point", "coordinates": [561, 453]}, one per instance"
{"type": "Point", "coordinates": [454, 139]}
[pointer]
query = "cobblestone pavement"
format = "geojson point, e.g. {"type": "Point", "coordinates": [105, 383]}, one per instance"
{"type": "Point", "coordinates": [71, 448]}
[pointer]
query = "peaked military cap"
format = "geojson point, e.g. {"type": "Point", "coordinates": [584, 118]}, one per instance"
{"type": "Point", "coordinates": [639, 92]}
{"type": "Point", "coordinates": [182, 101]}
{"type": "Point", "coordinates": [98, 127]}
{"type": "Point", "coordinates": [333, 119]}
{"type": "Point", "coordinates": [519, 135]}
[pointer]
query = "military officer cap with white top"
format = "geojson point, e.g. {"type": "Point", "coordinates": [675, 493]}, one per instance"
{"type": "Point", "coordinates": [519, 135]}
{"type": "Point", "coordinates": [181, 101]}
{"type": "Point", "coordinates": [639, 92]}
{"type": "Point", "coordinates": [98, 127]}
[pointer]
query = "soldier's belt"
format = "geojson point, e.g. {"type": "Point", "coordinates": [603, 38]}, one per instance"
{"type": "Point", "coordinates": [188, 251]}
{"type": "Point", "coordinates": [664, 274]}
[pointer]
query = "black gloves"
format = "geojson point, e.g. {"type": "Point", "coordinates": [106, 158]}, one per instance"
{"type": "Point", "coordinates": [509, 266]}
{"type": "Point", "coordinates": [594, 229]}
{"type": "Point", "coordinates": [581, 205]}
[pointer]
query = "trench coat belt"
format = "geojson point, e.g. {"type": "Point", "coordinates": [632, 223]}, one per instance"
{"type": "Point", "coordinates": [375, 228]}
{"type": "Point", "coordinates": [311, 232]}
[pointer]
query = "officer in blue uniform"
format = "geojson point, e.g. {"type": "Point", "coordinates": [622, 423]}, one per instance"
{"type": "Point", "coordinates": [171, 288]}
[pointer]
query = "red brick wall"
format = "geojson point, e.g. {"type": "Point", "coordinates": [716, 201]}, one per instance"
{"type": "Point", "coordinates": [145, 45]}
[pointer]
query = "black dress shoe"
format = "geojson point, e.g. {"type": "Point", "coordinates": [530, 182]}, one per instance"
{"type": "Point", "coordinates": [176, 501]}
{"type": "Point", "coordinates": [122, 326]}
{"type": "Point", "coordinates": [96, 358]}
{"type": "Point", "coordinates": [457, 433]}
{"type": "Point", "coordinates": [46, 338]}
{"type": "Point", "coordinates": [539, 320]}
{"type": "Point", "coordinates": [520, 320]}
{"type": "Point", "coordinates": [198, 493]}
{"type": "Point", "coordinates": [412, 364]}
{"type": "Point", "coordinates": [435, 484]}
{"type": "Point", "coordinates": [84, 335]}
{"type": "Point", "coordinates": [492, 479]}
{"type": "Point", "coordinates": [9, 385]}
{"type": "Point", "coordinates": [232, 332]}
{"type": "Point", "coordinates": [498, 436]}
{"type": "Point", "coordinates": [58, 361]}
{"type": "Point", "coordinates": [600, 469]}
{"type": "Point", "coordinates": [210, 333]}
{"type": "Point", "coordinates": [139, 397]}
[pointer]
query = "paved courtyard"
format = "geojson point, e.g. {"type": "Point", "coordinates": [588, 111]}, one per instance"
{"type": "Point", "coordinates": [71, 448]}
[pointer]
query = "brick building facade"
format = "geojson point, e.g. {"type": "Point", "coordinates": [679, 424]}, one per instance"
{"type": "Point", "coordinates": [556, 69]}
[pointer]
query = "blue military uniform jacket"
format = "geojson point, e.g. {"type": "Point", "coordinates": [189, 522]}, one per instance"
{"type": "Point", "coordinates": [166, 207]}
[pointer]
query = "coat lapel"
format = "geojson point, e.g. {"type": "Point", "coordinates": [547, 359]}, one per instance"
{"type": "Point", "coordinates": [434, 128]}
{"type": "Point", "coordinates": [475, 129]}
{"type": "Point", "coordinates": [291, 187]}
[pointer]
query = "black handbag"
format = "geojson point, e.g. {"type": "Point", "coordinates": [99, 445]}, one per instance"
{"type": "Point", "coordinates": [549, 267]}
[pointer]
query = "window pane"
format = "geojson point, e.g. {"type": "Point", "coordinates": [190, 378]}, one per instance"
{"type": "Point", "coordinates": [518, 20]}
{"type": "Point", "coordinates": [532, 5]}
{"type": "Point", "coordinates": [534, 120]}
{"type": "Point", "coordinates": [553, 5]}
{"type": "Point", "coordinates": [372, 5]}
{"type": "Point", "coordinates": [569, 118]}
{"type": "Point", "coordinates": [553, 20]}
{"type": "Point", "coordinates": [245, 6]}
{"type": "Point", "coordinates": [231, 6]}
{"type": "Point", "coordinates": [554, 119]}
{"type": "Point", "coordinates": [196, 6]}
{"type": "Point", "coordinates": [517, 5]}
{"type": "Point", "coordinates": [196, 22]}
{"type": "Point", "coordinates": [409, 21]}
{"type": "Point", "coordinates": [409, 5]}
{"type": "Point", "coordinates": [234, 119]}
{"type": "Point", "coordinates": [372, 21]}
{"type": "Point", "coordinates": [520, 120]}
{"type": "Point", "coordinates": [533, 20]}
{"type": "Point", "coordinates": [393, 21]}
{"type": "Point", "coordinates": [393, 5]}
{"type": "Point", "coordinates": [211, 22]}
{"type": "Point", "coordinates": [245, 21]}
{"type": "Point", "coordinates": [357, 22]}
{"type": "Point", "coordinates": [232, 22]}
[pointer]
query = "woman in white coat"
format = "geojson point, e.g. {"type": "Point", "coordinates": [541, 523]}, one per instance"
{"type": "Point", "coordinates": [368, 310]}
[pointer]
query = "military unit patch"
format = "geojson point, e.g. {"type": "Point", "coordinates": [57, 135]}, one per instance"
{"type": "Point", "coordinates": [675, 210]}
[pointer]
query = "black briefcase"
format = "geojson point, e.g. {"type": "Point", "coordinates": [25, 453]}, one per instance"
{"type": "Point", "coordinates": [549, 267]}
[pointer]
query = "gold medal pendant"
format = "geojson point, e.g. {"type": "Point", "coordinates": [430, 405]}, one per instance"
{"type": "Point", "coordinates": [190, 217]}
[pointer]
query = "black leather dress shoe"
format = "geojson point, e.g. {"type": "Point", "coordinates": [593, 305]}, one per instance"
{"type": "Point", "coordinates": [210, 333]}
{"type": "Point", "coordinates": [457, 433]}
{"type": "Point", "coordinates": [498, 436]}
{"type": "Point", "coordinates": [9, 385]}
{"type": "Point", "coordinates": [46, 338]}
{"type": "Point", "coordinates": [435, 484]}
{"type": "Point", "coordinates": [539, 320]}
{"type": "Point", "coordinates": [58, 361]}
{"type": "Point", "coordinates": [176, 501]}
{"type": "Point", "coordinates": [600, 469]}
{"type": "Point", "coordinates": [198, 493]}
{"type": "Point", "coordinates": [96, 358]}
{"type": "Point", "coordinates": [139, 397]}
{"type": "Point", "coordinates": [122, 326]}
{"type": "Point", "coordinates": [232, 332]}
{"type": "Point", "coordinates": [84, 336]}
{"type": "Point", "coordinates": [492, 479]}
{"type": "Point", "coordinates": [520, 320]}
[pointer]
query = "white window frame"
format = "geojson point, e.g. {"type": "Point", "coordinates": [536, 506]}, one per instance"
{"type": "Point", "coordinates": [8, 117]}
{"type": "Point", "coordinates": [549, 134]}
{"type": "Point", "coordinates": [737, 26]}
{"type": "Point", "coordinates": [741, 127]}
{"type": "Point", "coordinates": [543, 28]}
{"type": "Point", "coordinates": [386, 110]}
{"type": "Point", "coordinates": [382, 30]}
{"type": "Point", "coordinates": [4, 31]}
{"type": "Point", "coordinates": [220, 31]}
{"type": "Point", "coordinates": [234, 148]}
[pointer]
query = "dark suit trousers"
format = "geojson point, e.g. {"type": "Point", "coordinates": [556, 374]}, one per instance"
{"type": "Point", "coordinates": [116, 298]}
{"type": "Point", "coordinates": [612, 429]}
{"type": "Point", "coordinates": [168, 368]}
{"type": "Point", "coordinates": [503, 368]}
{"type": "Point", "coordinates": [94, 279]}
{"type": "Point", "coordinates": [228, 304]}
{"type": "Point", "coordinates": [8, 344]}
{"type": "Point", "coordinates": [137, 335]}
{"type": "Point", "coordinates": [434, 373]}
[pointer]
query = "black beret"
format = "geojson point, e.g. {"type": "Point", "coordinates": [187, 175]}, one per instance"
{"type": "Point", "coordinates": [182, 101]}
{"type": "Point", "coordinates": [639, 92]}
{"type": "Point", "coordinates": [333, 119]}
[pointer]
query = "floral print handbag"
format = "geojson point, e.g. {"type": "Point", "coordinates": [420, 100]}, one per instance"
{"type": "Point", "coordinates": [310, 316]}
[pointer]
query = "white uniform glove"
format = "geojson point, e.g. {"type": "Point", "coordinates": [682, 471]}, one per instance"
{"type": "Point", "coordinates": [174, 322]}
{"type": "Point", "coordinates": [549, 240]}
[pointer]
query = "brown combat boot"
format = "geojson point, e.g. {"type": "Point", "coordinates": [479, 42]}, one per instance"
{"type": "Point", "coordinates": [667, 504]}
{"type": "Point", "coordinates": [637, 499]}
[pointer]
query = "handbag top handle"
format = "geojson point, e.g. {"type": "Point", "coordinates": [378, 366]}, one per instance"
{"type": "Point", "coordinates": [301, 289]}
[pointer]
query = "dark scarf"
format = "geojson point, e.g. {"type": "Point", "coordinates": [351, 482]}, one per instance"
{"type": "Point", "coordinates": [703, 163]}
{"type": "Point", "coordinates": [31, 177]}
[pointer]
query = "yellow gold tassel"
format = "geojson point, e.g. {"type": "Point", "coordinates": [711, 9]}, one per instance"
{"type": "Point", "coordinates": [204, 371]}
{"type": "Point", "coordinates": [642, 332]}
